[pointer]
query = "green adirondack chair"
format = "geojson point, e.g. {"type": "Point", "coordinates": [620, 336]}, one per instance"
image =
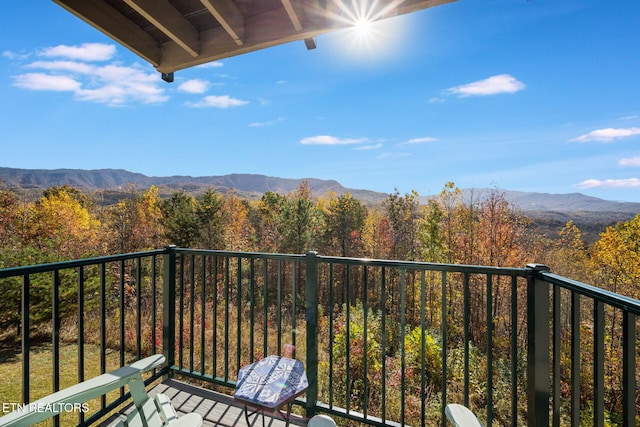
{"type": "Point", "coordinates": [147, 411]}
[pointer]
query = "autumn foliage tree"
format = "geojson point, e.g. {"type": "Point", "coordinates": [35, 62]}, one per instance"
{"type": "Point", "coordinates": [61, 222]}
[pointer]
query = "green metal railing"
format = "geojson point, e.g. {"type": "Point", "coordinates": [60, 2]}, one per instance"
{"type": "Point", "coordinates": [95, 303]}
{"type": "Point", "coordinates": [383, 342]}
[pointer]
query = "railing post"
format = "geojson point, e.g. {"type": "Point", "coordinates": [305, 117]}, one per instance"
{"type": "Point", "coordinates": [312, 331]}
{"type": "Point", "coordinates": [169, 305]}
{"type": "Point", "coordinates": [538, 347]}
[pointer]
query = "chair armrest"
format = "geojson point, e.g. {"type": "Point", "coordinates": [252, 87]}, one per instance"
{"type": "Point", "coordinates": [53, 404]}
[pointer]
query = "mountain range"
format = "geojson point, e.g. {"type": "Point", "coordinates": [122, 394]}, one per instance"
{"type": "Point", "coordinates": [547, 210]}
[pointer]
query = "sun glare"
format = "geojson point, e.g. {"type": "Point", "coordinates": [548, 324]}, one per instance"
{"type": "Point", "coordinates": [362, 27]}
{"type": "Point", "coordinates": [368, 36]}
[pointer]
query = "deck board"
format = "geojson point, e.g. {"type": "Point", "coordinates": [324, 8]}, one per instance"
{"type": "Point", "coordinates": [217, 409]}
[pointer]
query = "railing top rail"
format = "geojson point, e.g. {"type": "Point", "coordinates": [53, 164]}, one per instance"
{"type": "Point", "coordinates": [616, 300]}
{"type": "Point", "coordinates": [43, 268]}
{"type": "Point", "coordinates": [415, 265]}
{"type": "Point", "coordinates": [287, 257]}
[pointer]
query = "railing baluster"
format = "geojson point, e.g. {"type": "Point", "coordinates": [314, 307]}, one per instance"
{"type": "Point", "coordinates": [629, 386]}
{"type": "Point", "coordinates": [203, 313]}
{"type": "Point", "coordinates": [103, 325]}
{"type": "Point", "coordinates": [192, 309]}
{"type": "Point", "coordinates": [423, 348]}
{"type": "Point", "coordinates": [403, 367]}
{"type": "Point", "coordinates": [557, 341]}
{"type": "Point", "coordinates": [347, 302]}
{"type": "Point", "coordinates": [365, 367]}
{"type": "Point", "coordinates": [154, 308]}
{"type": "Point", "coordinates": [383, 310]}
{"type": "Point", "coordinates": [214, 332]}
{"type": "Point", "coordinates": [139, 307]}
{"type": "Point", "coordinates": [227, 285]}
{"type": "Point", "coordinates": [252, 304]}
{"type": "Point", "coordinates": [331, 333]}
{"type": "Point", "coordinates": [122, 314]}
{"type": "Point", "coordinates": [181, 280]}
{"type": "Point", "coordinates": [279, 307]}
{"type": "Point", "coordinates": [467, 339]}
{"type": "Point", "coordinates": [239, 312]}
{"type": "Point", "coordinates": [80, 332]}
{"type": "Point", "coordinates": [265, 299]}
{"type": "Point", "coordinates": [294, 295]}
{"type": "Point", "coordinates": [575, 359]}
{"type": "Point", "coordinates": [514, 351]}
{"type": "Point", "coordinates": [598, 364]}
{"type": "Point", "coordinates": [490, 322]}
{"type": "Point", "coordinates": [443, 284]}
{"type": "Point", "coordinates": [55, 335]}
{"type": "Point", "coordinates": [25, 338]}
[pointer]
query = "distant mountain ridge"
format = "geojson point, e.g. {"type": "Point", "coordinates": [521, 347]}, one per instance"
{"type": "Point", "coordinates": [119, 180]}
{"type": "Point", "coordinates": [254, 185]}
{"type": "Point", "coordinates": [570, 202]}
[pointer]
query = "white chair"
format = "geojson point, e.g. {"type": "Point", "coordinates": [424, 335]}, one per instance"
{"type": "Point", "coordinates": [321, 421]}
{"type": "Point", "coordinates": [146, 411]}
{"type": "Point", "coordinates": [461, 416]}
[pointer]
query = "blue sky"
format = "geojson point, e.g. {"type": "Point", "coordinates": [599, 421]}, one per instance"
{"type": "Point", "coordinates": [537, 95]}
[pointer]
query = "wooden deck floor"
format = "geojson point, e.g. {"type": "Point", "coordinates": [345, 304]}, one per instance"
{"type": "Point", "coordinates": [217, 409]}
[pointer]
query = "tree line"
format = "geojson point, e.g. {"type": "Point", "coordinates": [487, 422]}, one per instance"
{"type": "Point", "coordinates": [480, 229]}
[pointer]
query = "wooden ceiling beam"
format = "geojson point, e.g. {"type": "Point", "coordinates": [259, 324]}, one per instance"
{"type": "Point", "coordinates": [229, 16]}
{"type": "Point", "coordinates": [410, 6]}
{"type": "Point", "coordinates": [111, 22]}
{"type": "Point", "coordinates": [294, 14]}
{"type": "Point", "coordinates": [269, 29]}
{"type": "Point", "coordinates": [167, 19]}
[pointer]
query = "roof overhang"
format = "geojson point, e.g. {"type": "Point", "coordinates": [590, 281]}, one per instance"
{"type": "Point", "coordinates": [177, 34]}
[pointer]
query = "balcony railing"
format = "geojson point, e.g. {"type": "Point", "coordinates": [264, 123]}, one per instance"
{"type": "Point", "coordinates": [383, 342]}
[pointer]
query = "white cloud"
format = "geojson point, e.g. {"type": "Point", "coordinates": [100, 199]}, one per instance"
{"type": "Point", "coordinates": [423, 140]}
{"type": "Point", "coordinates": [267, 123]}
{"type": "Point", "coordinates": [214, 64]}
{"type": "Point", "coordinates": [630, 161]}
{"type": "Point", "coordinates": [503, 83]}
{"type": "Point", "coordinates": [41, 81]}
{"type": "Point", "coordinates": [224, 101]}
{"type": "Point", "coordinates": [436, 100]}
{"type": "Point", "coordinates": [607, 135]}
{"type": "Point", "coordinates": [83, 52]}
{"type": "Point", "coordinates": [70, 66]}
{"type": "Point", "coordinates": [13, 55]}
{"type": "Point", "coordinates": [393, 155]}
{"type": "Point", "coordinates": [330, 140]}
{"type": "Point", "coordinates": [194, 86]}
{"type": "Point", "coordinates": [369, 147]}
{"type": "Point", "coordinates": [109, 84]}
{"type": "Point", "coordinates": [610, 183]}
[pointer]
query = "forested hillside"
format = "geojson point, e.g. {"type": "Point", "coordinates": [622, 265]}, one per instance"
{"type": "Point", "coordinates": [106, 187]}
{"type": "Point", "coordinates": [65, 223]}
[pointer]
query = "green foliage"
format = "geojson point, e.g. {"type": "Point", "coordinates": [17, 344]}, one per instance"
{"type": "Point", "coordinates": [422, 348]}
{"type": "Point", "coordinates": [344, 221]}
{"type": "Point", "coordinates": [180, 219]}
{"type": "Point", "coordinates": [349, 356]}
{"type": "Point", "coordinates": [299, 222]}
